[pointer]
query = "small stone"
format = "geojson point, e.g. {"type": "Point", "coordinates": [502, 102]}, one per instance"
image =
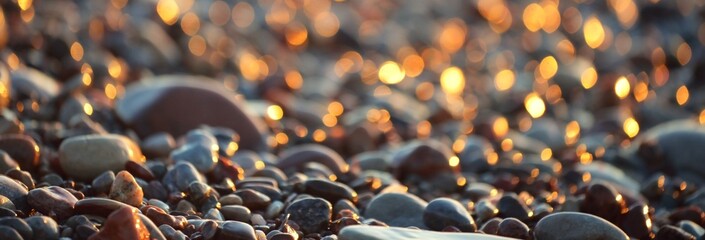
{"type": "Point", "coordinates": [203, 157]}
{"type": "Point", "coordinates": [43, 227]}
{"type": "Point", "coordinates": [214, 214]}
{"type": "Point", "coordinates": [18, 225]}
{"type": "Point", "coordinates": [52, 201]}
{"type": "Point", "coordinates": [512, 227]}
{"type": "Point", "coordinates": [237, 213]}
{"type": "Point", "coordinates": [6, 203]}
{"type": "Point", "coordinates": [491, 226]}
{"type": "Point", "coordinates": [636, 222]}
{"type": "Point", "coordinates": [444, 212]}
{"type": "Point", "coordinates": [139, 171]}
{"type": "Point", "coordinates": [691, 227]}
{"type": "Point", "coordinates": [85, 157]}
{"type": "Point", "coordinates": [604, 201]}
{"type": "Point", "coordinates": [6, 162]}
{"type": "Point", "coordinates": [158, 145]}
{"type": "Point", "coordinates": [397, 209]}
{"type": "Point", "coordinates": [485, 210]}
{"type": "Point", "coordinates": [274, 209]}
{"type": "Point", "coordinates": [296, 158]}
{"type": "Point", "coordinates": [311, 214]}
{"type": "Point", "coordinates": [126, 190]}
{"type": "Point", "coordinates": [98, 206]}
{"type": "Point", "coordinates": [574, 225]}
{"type": "Point", "coordinates": [424, 159]}
{"type": "Point", "coordinates": [181, 176]}
{"type": "Point", "coordinates": [234, 230]}
{"type": "Point", "coordinates": [510, 206]}
{"type": "Point", "coordinates": [123, 223]}
{"type": "Point", "coordinates": [103, 182]}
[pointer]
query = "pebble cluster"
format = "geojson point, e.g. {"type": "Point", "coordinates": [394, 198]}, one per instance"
{"type": "Point", "coordinates": [366, 119]}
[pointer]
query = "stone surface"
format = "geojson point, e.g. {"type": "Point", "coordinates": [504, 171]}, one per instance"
{"type": "Point", "coordinates": [297, 157]}
{"type": "Point", "coordinates": [397, 233]}
{"type": "Point", "coordinates": [574, 225]}
{"type": "Point", "coordinates": [52, 201]}
{"type": "Point", "coordinates": [43, 227]}
{"type": "Point", "coordinates": [174, 104]}
{"type": "Point", "coordinates": [236, 213]}
{"type": "Point", "coordinates": [397, 209]}
{"type": "Point", "coordinates": [180, 177]}
{"type": "Point", "coordinates": [331, 191]}
{"type": "Point", "coordinates": [85, 157]}
{"type": "Point", "coordinates": [22, 148]}
{"type": "Point", "coordinates": [444, 212]}
{"type": "Point", "coordinates": [425, 159]}
{"type": "Point", "coordinates": [126, 190]}
{"type": "Point", "coordinates": [311, 214]}
{"type": "Point", "coordinates": [203, 157]}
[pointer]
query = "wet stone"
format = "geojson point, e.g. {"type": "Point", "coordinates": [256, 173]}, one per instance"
{"type": "Point", "coordinates": [444, 212]}
{"type": "Point", "coordinates": [574, 225]}
{"type": "Point", "coordinates": [397, 209]}
{"type": "Point", "coordinates": [52, 201]}
{"type": "Point", "coordinates": [86, 157]}
{"type": "Point", "coordinates": [123, 223]}
{"type": "Point", "coordinates": [311, 214]}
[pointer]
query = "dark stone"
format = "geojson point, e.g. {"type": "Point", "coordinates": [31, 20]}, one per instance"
{"type": "Point", "coordinates": [512, 227]}
{"type": "Point", "coordinates": [331, 191]}
{"type": "Point", "coordinates": [444, 212]}
{"type": "Point", "coordinates": [311, 214]}
{"type": "Point", "coordinates": [234, 230]}
{"type": "Point", "coordinates": [52, 201]}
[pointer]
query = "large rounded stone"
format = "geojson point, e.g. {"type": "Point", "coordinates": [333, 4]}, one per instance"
{"type": "Point", "coordinates": [86, 157]}
{"type": "Point", "coordinates": [52, 201]}
{"type": "Point", "coordinates": [311, 214]}
{"type": "Point", "coordinates": [397, 209]}
{"type": "Point", "coordinates": [575, 225]}
{"type": "Point", "coordinates": [177, 104]}
{"type": "Point", "coordinates": [397, 233]}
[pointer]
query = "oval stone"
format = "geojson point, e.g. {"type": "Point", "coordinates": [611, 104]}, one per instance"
{"type": "Point", "coordinates": [575, 225]}
{"type": "Point", "coordinates": [86, 157]}
{"type": "Point", "coordinates": [175, 105]}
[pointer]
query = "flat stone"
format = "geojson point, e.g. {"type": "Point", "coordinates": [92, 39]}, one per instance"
{"type": "Point", "coordinates": [397, 209]}
{"type": "Point", "coordinates": [175, 105]}
{"type": "Point", "coordinates": [297, 157]}
{"type": "Point", "coordinates": [575, 225]}
{"type": "Point", "coordinates": [86, 157]}
{"type": "Point", "coordinates": [397, 233]}
{"type": "Point", "coordinates": [236, 213]}
{"type": "Point", "coordinates": [329, 190]}
{"type": "Point", "coordinates": [52, 201]}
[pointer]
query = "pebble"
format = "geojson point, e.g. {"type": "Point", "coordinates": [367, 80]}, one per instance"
{"type": "Point", "coordinates": [158, 145]}
{"type": "Point", "coordinates": [21, 148]}
{"type": "Point", "coordinates": [311, 214]}
{"type": "Point", "coordinates": [513, 228]}
{"type": "Point", "coordinates": [180, 176]}
{"type": "Point", "coordinates": [397, 233]}
{"type": "Point", "coordinates": [444, 212]}
{"type": "Point", "coordinates": [295, 158]}
{"type": "Point", "coordinates": [43, 227]}
{"type": "Point", "coordinates": [253, 199]}
{"type": "Point", "coordinates": [510, 206]}
{"type": "Point", "coordinates": [637, 223]}
{"type": "Point", "coordinates": [203, 157]}
{"type": "Point", "coordinates": [604, 201]}
{"type": "Point", "coordinates": [52, 201]}
{"type": "Point", "coordinates": [230, 199]}
{"type": "Point", "coordinates": [236, 213]}
{"type": "Point", "coordinates": [98, 206]}
{"type": "Point", "coordinates": [6, 162]}
{"type": "Point", "coordinates": [691, 227]}
{"type": "Point", "coordinates": [331, 191]}
{"type": "Point", "coordinates": [123, 223]}
{"type": "Point", "coordinates": [174, 105]}
{"type": "Point", "coordinates": [574, 225]}
{"type": "Point", "coordinates": [670, 232]}
{"type": "Point", "coordinates": [13, 191]}
{"type": "Point", "coordinates": [425, 159]}
{"type": "Point", "coordinates": [19, 225]}
{"type": "Point", "coordinates": [85, 157]}
{"type": "Point", "coordinates": [126, 190]}
{"type": "Point", "coordinates": [8, 233]}
{"type": "Point", "coordinates": [234, 230]}
{"type": "Point", "coordinates": [397, 209]}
